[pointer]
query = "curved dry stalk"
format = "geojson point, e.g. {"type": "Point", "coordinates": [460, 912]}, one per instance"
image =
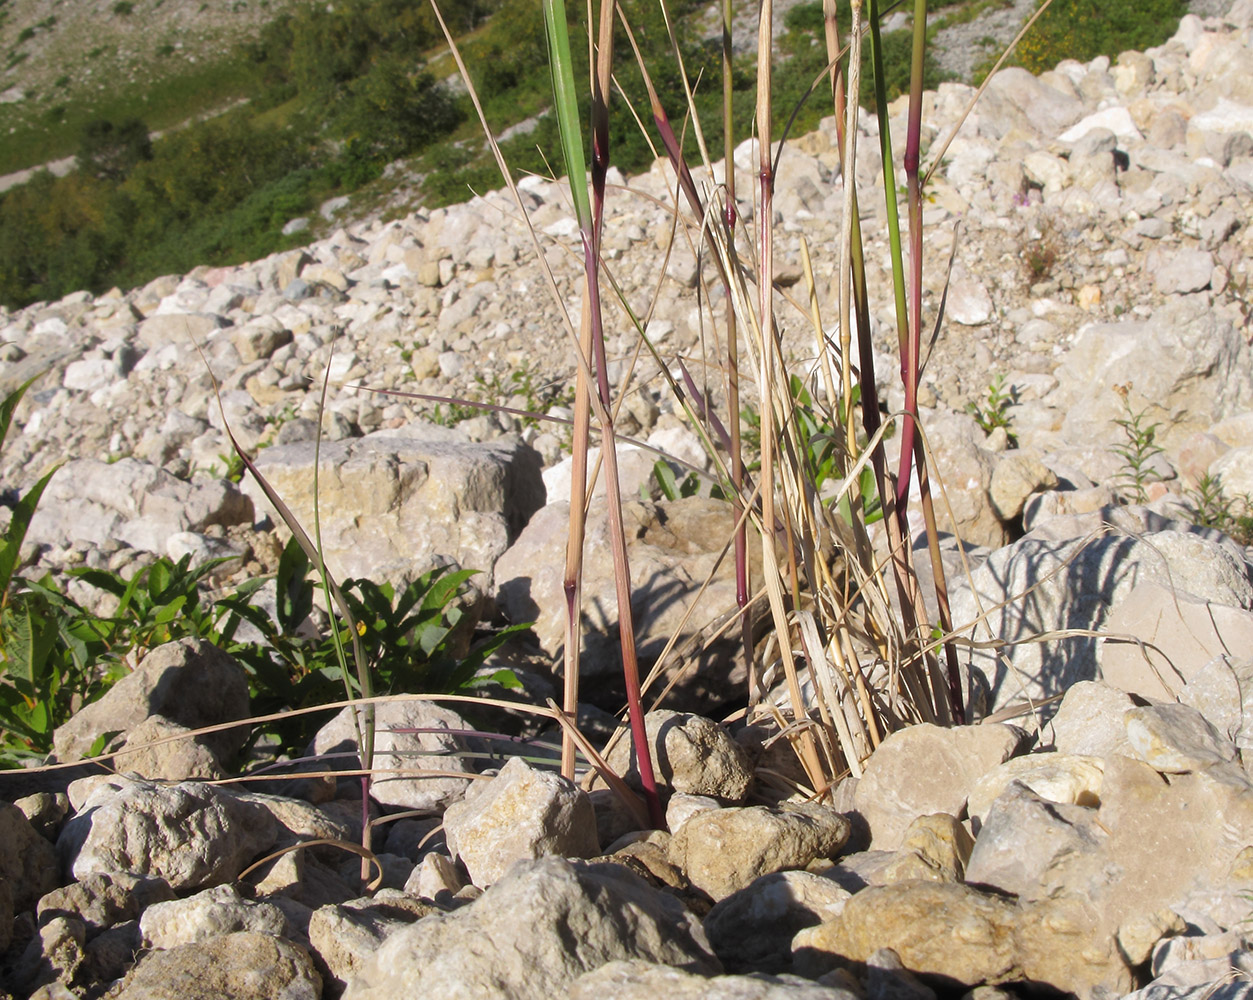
{"type": "Point", "coordinates": [367, 858]}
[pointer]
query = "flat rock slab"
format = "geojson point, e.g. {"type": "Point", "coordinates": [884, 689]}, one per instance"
{"type": "Point", "coordinates": [925, 769]}
{"type": "Point", "coordinates": [393, 508]}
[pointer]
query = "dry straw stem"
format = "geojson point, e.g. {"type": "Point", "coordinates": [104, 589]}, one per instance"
{"type": "Point", "coordinates": [598, 400]}
{"type": "Point", "coordinates": [852, 670]}
{"type": "Point", "coordinates": [367, 857]}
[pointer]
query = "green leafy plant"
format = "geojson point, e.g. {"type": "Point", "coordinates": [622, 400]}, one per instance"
{"type": "Point", "coordinates": [1140, 449]}
{"type": "Point", "coordinates": [672, 488]}
{"type": "Point", "coordinates": [1215, 509]}
{"type": "Point", "coordinates": [158, 604]}
{"type": "Point", "coordinates": [43, 658]}
{"type": "Point", "coordinates": [413, 639]}
{"type": "Point", "coordinates": [993, 411]}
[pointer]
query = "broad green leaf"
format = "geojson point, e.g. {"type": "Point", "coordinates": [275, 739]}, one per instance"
{"type": "Point", "coordinates": [666, 480]}
{"type": "Point", "coordinates": [169, 612]}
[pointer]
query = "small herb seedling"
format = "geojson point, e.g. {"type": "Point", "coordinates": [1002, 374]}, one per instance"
{"type": "Point", "coordinates": [993, 412]}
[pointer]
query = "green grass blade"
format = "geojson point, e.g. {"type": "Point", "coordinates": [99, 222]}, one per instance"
{"type": "Point", "coordinates": [561, 65]}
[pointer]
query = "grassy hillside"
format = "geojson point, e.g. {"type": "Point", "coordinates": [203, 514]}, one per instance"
{"type": "Point", "coordinates": [323, 97]}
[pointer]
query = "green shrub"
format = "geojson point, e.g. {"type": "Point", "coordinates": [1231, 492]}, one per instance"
{"type": "Point", "coordinates": [1085, 29]}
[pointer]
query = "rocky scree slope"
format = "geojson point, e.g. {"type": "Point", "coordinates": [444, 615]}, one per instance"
{"type": "Point", "coordinates": [1097, 218]}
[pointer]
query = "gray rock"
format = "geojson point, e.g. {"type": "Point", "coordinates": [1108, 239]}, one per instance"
{"type": "Point", "coordinates": [207, 915]}
{"type": "Point", "coordinates": [147, 755]}
{"type": "Point", "coordinates": [99, 503]}
{"type": "Point", "coordinates": [1174, 739]}
{"type": "Point", "coordinates": [1184, 271]}
{"type": "Point", "coordinates": [189, 834]}
{"type": "Point", "coordinates": [343, 935]}
{"type": "Point", "coordinates": [28, 863]}
{"type": "Point", "coordinates": [104, 899]}
{"type": "Point", "coordinates": [522, 813]}
{"type": "Point", "coordinates": [1026, 841]}
{"type": "Point", "coordinates": [1210, 378]}
{"type": "Point", "coordinates": [184, 328]}
{"type": "Point", "coordinates": [515, 939]}
{"type": "Point", "coordinates": [751, 930]}
{"type": "Point", "coordinates": [1090, 721]}
{"type": "Point", "coordinates": [1177, 633]}
{"type": "Point", "coordinates": [410, 737]}
{"type": "Point", "coordinates": [1057, 777]}
{"type": "Point", "coordinates": [1015, 98]}
{"type": "Point", "coordinates": [952, 934]}
{"type": "Point", "coordinates": [1073, 584]}
{"type": "Point", "coordinates": [1015, 477]}
{"type": "Point", "coordinates": [636, 980]}
{"type": "Point", "coordinates": [1222, 691]}
{"type": "Point", "coordinates": [393, 508]}
{"type": "Point", "coordinates": [672, 548]}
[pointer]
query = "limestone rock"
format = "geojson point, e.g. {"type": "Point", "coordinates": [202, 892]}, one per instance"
{"type": "Point", "coordinates": [189, 834]}
{"type": "Point", "coordinates": [1222, 691]}
{"type": "Point", "coordinates": [1181, 634]}
{"type": "Point", "coordinates": [209, 914]}
{"type": "Point", "coordinates": [522, 813]}
{"type": "Point", "coordinates": [943, 930]}
{"type": "Point", "coordinates": [190, 682]}
{"type": "Point", "coordinates": [515, 939]}
{"type": "Point", "coordinates": [691, 755]}
{"type": "Point", "coordinates": [410, 737]}
{"type": "Point", "coordinates": [1015, 477]}
{"type": "Point", "coordinates": [935, 847]}
{"type": "Point", "coordinates": [1174, 739]}
{"type": "Point", "coordinates": [1026, 842]}
{"type": "Point", "coordinates": [751, 930]}
{"type": "Point", "coordinates": [393, 508]}
{"type": "Point", "coordinates": [28, 863]}
{"type": "Point", "coordinates": [147, 754]}
{"type": "Point", "coordinates": [135, 502]}
{"type": "Point", "coordinates": [726, 850]}
{"type": "Point", "coordinates": [635, 980]}
{"type": "Point", "coordinates": [1210, 380]}
{"type": "Point", "coordinates": [925, 769]}
{"type": "Point", "coordinates": [1056, 777]}
{"type": "Point", "coordinates": [1089, 721]}
{"type": "Point", "coordinates": [1074, 584]}
{"type": "Point", "coordinates": [231, 967]}
{"type": "Point", "coordinates": [672, 547]}
{"type": "Point", "coordinates": [103, 899]}
{"type": "Point", "coordinates": [343, 935]}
